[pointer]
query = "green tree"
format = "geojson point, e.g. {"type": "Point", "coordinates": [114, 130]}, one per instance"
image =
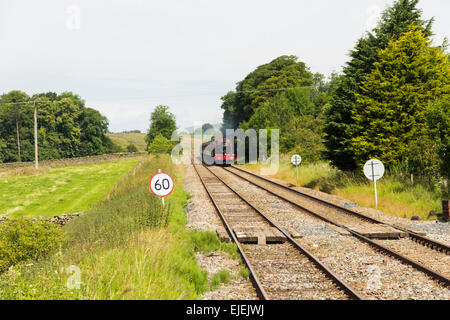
{"type": "Point", "coordinates": [303, 136]}
{"type": "Point", "coordinates": [15, 111]}
{"type": "Point", "coordinates": [161, 122]}
{"type": "Point", "coordinates": [76, 99]}
{"type": "Point", "coordinates": [259, 86]}
{"type": "Point", "coordinates": [206, 127]}
{"type": "Point", "coordinates": [93, 132]}
{"type": "Point", "coordinates": [132, 148]}
{"type": "Point", "coordinates": [394, 22]}
{"type": "Point", "coordinates": [2, 149]}
{"type": "Point", "coordinates": [161, 144]}
{"type": "Point", "coordinates": [66, 128]}
{"type": "Point", "coordinates": [391, 112]}
{"type": "Point", "coordinates": [59, 128]}
{"type": "Point", "coordinates": [110, 146]}
{"type": "Point", "coordinates": [273, 113]}
{"type": "Point", "coordinates": [438, 121]}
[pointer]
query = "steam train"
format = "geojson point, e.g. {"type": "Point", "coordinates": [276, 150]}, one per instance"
{"type": "Point", "coordinates": [218, 152]}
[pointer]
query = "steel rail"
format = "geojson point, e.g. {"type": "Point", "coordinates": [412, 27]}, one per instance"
{"type": "Point", "coordinates": [433, 274]}
{"type": "Point", "coordinates": [413, 235]}
{"type": "Point", "coordinates": [261, 293]}
{"type": "Point", "coordinates": [331, 275]}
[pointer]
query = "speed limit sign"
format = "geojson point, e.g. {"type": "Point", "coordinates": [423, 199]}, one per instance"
{"type": "Point", "coordinates": [161, 184]}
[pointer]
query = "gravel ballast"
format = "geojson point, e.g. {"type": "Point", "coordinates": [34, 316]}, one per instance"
{"type": "Point", "coordinates": [374, 274]}
{"type": "Point", "coordinates": [201, 215]}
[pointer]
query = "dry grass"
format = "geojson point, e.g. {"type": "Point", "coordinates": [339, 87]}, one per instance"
{"type": "Point", "coordinates": [25, 171]}
{"type": "Point", "coordinates": [396, 196]}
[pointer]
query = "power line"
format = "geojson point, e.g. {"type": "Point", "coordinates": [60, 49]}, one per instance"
{"type": "Point", "coordinates": [177, 96]}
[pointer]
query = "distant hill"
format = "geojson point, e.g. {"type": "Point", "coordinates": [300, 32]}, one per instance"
{"type": "Point", "coordinates": [124, 139]}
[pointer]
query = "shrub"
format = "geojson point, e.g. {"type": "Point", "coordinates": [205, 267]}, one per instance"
{"type": "Point", "coordinates": [132, 148]}
{"type": "Point", "coordinates": [161, 145]}
{"type": "Point", "coordinates": [23, 239]}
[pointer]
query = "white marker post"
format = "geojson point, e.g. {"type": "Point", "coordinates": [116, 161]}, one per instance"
{"type": "Point", "coordinates": [161, 184]}
{"type": "Point", "coordinates": [296, 160]}
{"type": "Point", "coordinates": [374, 170]}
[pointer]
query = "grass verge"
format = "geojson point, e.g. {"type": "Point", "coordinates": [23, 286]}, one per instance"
{"type": "Point", "coordinates": [125, 247]}
{"type": "Point", "coordinates": [62, 190]}
{"type": "Point", "coordinates": [396, 196]}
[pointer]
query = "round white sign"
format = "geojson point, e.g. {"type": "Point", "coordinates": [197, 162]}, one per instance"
{"type": "Point", "coordinates": [161, 184]}
{"type": "Point", "coordinates": [373, 169]}
{"type": "Point", "coordinates": [296, 159]}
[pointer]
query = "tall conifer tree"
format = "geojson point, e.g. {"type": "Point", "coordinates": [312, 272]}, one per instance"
{"type": "Point", "coordinates": [391, 111]}
{"type": "Point", "coordinates": [394, 22]}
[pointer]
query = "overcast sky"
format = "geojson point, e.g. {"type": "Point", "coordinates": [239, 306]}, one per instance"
{"type": "Point", "coordinates": [124, 57]}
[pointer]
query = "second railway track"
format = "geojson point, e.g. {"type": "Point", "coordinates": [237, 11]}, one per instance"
{"type": "Point", "coordinates": [281, 268]}
{"type": "Point", "coordinates": [409, 250]}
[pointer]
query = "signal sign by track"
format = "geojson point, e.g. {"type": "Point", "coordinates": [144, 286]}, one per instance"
{"type": "Point", "coordinates": [296, 160]}
{"type": "Point", "coordinates": [161, 184]}
{"type": "Point", "coordinates": [374, 170]}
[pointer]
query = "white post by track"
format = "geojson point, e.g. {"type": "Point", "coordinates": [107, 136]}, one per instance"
{"type": "Point", "coordinates": [296, 160]}
{"type": "Point", "coordinates": [374, 186]}
{"type": "Point", "coordinates": [374, 170]}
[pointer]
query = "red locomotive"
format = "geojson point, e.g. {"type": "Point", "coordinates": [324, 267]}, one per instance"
{"type": "Point", "coordinates": [219, 152]}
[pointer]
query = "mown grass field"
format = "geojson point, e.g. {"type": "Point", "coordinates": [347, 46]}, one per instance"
{"type": "Point", "coordinates": [125, 247]}
{"type": "Point", "coordinates": [60, 190]}
{"type": "Point", "coordinates": [395, 196]}
{"type": "Point", "coordinates": [125, 139]}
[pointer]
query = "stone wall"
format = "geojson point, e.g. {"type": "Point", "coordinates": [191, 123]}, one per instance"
{"type": "Point", "coordinates": [71, 161]}
{"type": "Point", "coordinates": [59, 220]}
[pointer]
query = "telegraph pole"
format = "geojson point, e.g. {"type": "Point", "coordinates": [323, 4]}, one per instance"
{"type": "Point", "coordinates": [36, 160]}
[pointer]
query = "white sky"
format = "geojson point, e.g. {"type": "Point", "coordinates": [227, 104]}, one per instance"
{"type": "Point", "coordinates": [124, 57]}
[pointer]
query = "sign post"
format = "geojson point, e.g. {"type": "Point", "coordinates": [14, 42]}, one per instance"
{"type": "Point", "coordinates": [374, 170]}
{"type": "Point", "coordinates": [296, 160]}
{"type": "Point", "coordinates": [161, 185]}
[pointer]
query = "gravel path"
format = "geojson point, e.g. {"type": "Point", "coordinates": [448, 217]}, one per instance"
{"type": "Point", "coordinates": [375, 275]}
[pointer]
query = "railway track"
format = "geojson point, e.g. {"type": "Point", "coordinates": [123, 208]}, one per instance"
{"type": "Point", "coordinates": [342, 217]}
{"type": "Point", "coordinates": [281, 268]}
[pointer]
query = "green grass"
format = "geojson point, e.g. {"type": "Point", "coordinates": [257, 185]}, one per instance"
{"type": "Point", "coordinates": [124, 139]}
{"type": "Point", "coordinates": [396, 196]}
{"type": "Point", "coordinates": [126, 247]}
{"type": "Point", "coordinates": [222, 276]}
{"type": "Point", "coordinates": [60, 190]}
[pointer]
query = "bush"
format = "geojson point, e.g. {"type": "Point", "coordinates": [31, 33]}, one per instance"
{"type": "Point", "coordinates": [132, 148]}
{"type": "Point", "coordinates": [161, 145]}
{"type": "Point", "coordinates": [24, 239]}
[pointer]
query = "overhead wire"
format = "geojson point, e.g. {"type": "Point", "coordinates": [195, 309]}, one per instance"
{"type": "Point", "coordinates": [174, 96]}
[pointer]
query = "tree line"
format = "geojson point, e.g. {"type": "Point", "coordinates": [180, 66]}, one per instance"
{"type": "Point", "coordinates": [390, 102]}
{"type": "Point", "coordinates": [66, 127]}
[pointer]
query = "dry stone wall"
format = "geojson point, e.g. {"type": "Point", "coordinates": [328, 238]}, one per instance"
{"type": "Point", "coordinates": [72, 161]}
{"type": "Point", "coordinates": [59, 220]}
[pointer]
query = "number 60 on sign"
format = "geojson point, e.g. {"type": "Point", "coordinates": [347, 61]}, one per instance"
{"type": "Point", "coordinates": [161, 184]}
